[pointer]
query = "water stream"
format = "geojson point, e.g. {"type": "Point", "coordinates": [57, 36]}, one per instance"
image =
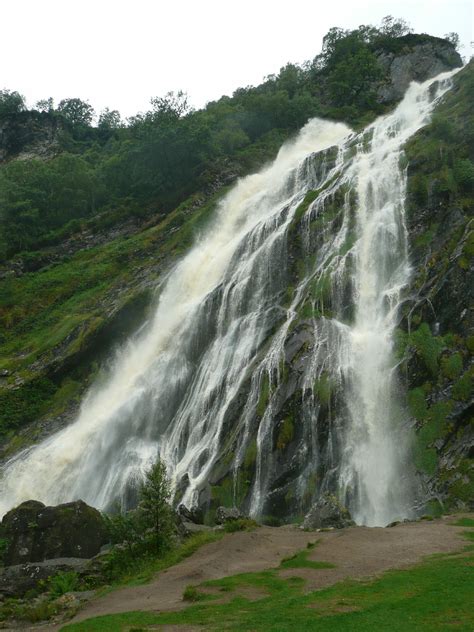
{"type": "Point", "coordinates": [222, 324]}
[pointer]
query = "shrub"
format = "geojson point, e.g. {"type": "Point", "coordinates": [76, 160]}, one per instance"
{"type": "Point", "coordinates": [242, 524]}
{"type": "Point", "coordinates": [123, 528]}
{"type": "Point", "coordinates": [63, 583]}
{"type": "Point", "coordinates": [272, 521]}
{"type": "Point", "coordinates": [191, 593]}
{"type": "Point", "coordinates": [451, 366]}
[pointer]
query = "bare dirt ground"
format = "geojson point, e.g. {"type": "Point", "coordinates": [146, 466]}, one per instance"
{"type": "Point", "coordinates": [357, 552]}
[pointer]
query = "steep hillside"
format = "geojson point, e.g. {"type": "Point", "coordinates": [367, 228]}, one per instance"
{"type": "Point", "coordinates": [438, 327]}
{"type": "Point", "coordinates": [86, 279]}
{"type": "Point", "coordinates": [434, 338]}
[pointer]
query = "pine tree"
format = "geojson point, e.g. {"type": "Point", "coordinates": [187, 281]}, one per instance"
{"type": "Point", "coordinates": [155, 509]}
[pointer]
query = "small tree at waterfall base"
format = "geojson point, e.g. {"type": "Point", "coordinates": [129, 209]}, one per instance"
{"type": "Point", "coordinates": [155, 510]}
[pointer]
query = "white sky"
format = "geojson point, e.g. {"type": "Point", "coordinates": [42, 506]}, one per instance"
{"type": "Point", "coordinates": [119, 53]}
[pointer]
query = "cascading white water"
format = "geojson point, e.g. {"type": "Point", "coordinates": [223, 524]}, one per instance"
{"type": "Point", "coordinates": [219, 325]}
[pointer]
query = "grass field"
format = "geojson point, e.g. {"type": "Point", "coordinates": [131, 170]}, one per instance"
{"type": "Point", "coordinates": [435, 595]}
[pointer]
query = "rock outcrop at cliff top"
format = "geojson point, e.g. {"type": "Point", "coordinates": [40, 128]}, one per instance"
{"type": "Point", "coordinates": [31, 134]}
{"type": "Point", "coordinates": [414, 63]}
{"type": "Point", "coordinates": [35, 533]}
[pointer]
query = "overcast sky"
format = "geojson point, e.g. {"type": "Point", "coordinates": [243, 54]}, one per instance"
{"type": "Point", "coordinates": [119, 53]}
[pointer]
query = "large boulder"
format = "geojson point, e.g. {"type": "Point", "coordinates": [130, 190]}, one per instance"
{"type": "Point", "coordinates": [35, 533]}
{"type": "Point", "coordinates": [228, 514]}
{"type": "Point", "coordinates": [195, 514]}
{"type": "Point", "coordinates": [327, 512]}
{"type": "Point", "coordinates": [187, 528]}
{"type": "Point", "coordinates": [17, 580]}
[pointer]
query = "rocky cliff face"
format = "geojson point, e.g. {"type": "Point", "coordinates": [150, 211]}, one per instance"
{"type": "Point", "coordinates": [441, 285]}
{"type": "Point", "coordinates": [413, 63]}
{"type": "Point", "coordinates": [27, 135]}
{"type": "Point", "coordinates": [435, 337]}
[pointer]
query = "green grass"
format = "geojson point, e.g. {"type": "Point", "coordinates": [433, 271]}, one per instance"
{"type": "Point", "coordinates": [142, 569]}
{"type": "Point", "coordinates": [191, 593]}
{"type": "Point", "coordinates": [242, 524]}
{"type": "Point", "coordinates": [55, 313]}
{"type": "Point", "coordinates": [40, 309]}
{"type": "Point", "coordinates": [300, 560]}
{"type": "Point", "coordinates": [435, 595]}
{"type": "Point", "coordinates": [465, 522]}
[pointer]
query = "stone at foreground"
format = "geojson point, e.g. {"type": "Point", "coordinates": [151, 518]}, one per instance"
{"type": "Point", "coordinates": [195, 514]}
{"type": "Point", "coordinates": [227, 514]}
{"type": "Point", "coordinates": [17, 580]}
{"type": "Point", "coordinates": [35, 533]}
{"type": "Point", "coordinates": [187, 528]}
{"type": "Point", "coordinates": [327, 512]}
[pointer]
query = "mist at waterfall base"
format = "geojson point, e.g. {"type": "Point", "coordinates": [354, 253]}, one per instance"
{"type": "Point", "coordinates": [223, 318]}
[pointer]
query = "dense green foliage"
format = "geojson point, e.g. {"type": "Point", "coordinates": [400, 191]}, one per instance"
{"type": "Point", "coordinates": [11, 103]}
{"type": "Point", "coordinates": [156, 159]}
{"type": "Point", "coordinates": [146, 531]}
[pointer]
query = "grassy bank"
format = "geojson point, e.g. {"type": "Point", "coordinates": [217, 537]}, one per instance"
{"type": "Point", "coordinates": [434, 595]}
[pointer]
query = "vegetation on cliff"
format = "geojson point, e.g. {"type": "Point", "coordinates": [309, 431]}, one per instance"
{"type": "Point", "coordinates": [436, 336]}
{"type": "Point", "coordinates": [91, 220]}
{"type": "Point", "coordinates": [156, 159]}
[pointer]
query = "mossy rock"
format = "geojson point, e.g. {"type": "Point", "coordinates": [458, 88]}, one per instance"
{"type": "Point", "coordinates": [36, 533]}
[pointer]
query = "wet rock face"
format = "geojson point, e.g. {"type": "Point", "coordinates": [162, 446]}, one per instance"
{"type": "Point", "coordinates": [418, 64]}
{"type": "Point", "coordinates": [195, 514]}
{"type": "Point", "coordinates": [35, 533]}
{"type": "Point", "coordinates": [327, 512]}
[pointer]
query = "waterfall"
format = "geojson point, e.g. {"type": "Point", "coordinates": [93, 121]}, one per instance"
{"type": "Point", "coordinates": [315, 247]}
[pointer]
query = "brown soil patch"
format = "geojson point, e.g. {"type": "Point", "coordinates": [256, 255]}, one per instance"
{"type": "Point", "coordinates": [357, 552]}
{"type": "Point", "coordinates": [364, 552]}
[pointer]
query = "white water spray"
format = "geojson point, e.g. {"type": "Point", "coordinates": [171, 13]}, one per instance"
{"type": "Point", "coordinates": [173, 389]}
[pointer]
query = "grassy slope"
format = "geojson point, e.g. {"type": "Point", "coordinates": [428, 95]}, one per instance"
{"type": "Point", "coordinates": [436, 339]}
{"type": "Point", "coordinates": [53, 316]}
{"type": "Point", "coordinates": [435, 595]}
{"type": "Point", "coordinates": [52, 320]}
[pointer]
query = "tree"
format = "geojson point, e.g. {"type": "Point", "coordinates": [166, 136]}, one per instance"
{"type": "Point", "coordinates": [351, 81]}
{"type": "Point", "coordinates": [454, 39]}
{"type": "Point", "coordinates": [11, 103]}
{"type": "Point", "coordinates": [77, 112]}
{"type": "Point", "coordinates": [289, 79]}
{"type": "Point", "coordinates": [123, 528]}
{"type": "Point", "coordinates": [330, 40]}
{"type": "Point", "coordinates": [172, 105]}
{"type": "Point", "coordinates": [45, 105]}
{"type": "Point", "coordinates": [156, 512]}
{"type": "Point", "coordinates": [394, 27]}
{"type": "Point", "coordinates": [110, 119]}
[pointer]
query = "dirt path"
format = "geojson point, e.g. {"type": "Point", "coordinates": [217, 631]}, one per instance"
{"type": "Point", "coordinates": [356, 552]}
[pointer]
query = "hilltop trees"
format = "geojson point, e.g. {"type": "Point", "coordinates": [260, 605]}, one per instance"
{"type": "Point", "coordinates": [109, 120]}
{"type": "Point", "coordinates": [76, 112]}
{"type": "Point", "coordinates": [156, 159]}
{"type": "Point", "coordinates": [11, 102]}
